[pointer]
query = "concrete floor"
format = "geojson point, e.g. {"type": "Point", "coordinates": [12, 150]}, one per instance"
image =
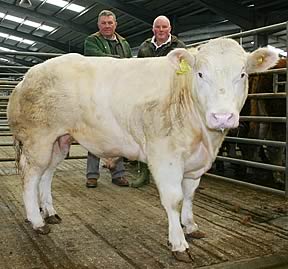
{"type": "Point", "coordinates": [113, 227]}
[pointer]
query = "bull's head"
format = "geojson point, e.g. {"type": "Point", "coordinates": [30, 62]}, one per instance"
{"type": "Point", "coordinates": [220, 71]}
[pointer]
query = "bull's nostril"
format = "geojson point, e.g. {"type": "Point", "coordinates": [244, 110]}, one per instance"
{"type": "Point", "coordinates": [214, 115]}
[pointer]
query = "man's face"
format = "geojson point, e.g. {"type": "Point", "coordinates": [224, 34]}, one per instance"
{"type": "Point", "coordinates": [161, 30]}
{"type": "Point", "coordinates": [107, 26]}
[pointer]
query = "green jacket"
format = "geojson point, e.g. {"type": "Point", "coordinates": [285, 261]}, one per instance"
{"type": "Point", "coordinates": [147, 49]}
{"type": "Point", "coordinates": [97, 45]}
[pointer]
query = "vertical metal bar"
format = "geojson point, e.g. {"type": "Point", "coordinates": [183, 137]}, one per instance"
{"type": "Point", "coordinates": [275, 82]}
{"type": "Point", "coordinates": [286, 89]}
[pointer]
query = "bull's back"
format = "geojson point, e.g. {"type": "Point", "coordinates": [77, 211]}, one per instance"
{"type": "Point", "coordinates": [61, 92]}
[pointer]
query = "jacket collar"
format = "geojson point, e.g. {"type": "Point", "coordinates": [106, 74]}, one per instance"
{"type": "Point", "coordinates": [153, 41]}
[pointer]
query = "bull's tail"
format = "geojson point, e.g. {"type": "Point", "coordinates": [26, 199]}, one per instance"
{"type": "Point", "coordinates": [18, 152]}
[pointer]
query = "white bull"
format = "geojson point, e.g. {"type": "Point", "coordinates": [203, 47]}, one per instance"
{"type": "Point", "coordinates": [171, 112]}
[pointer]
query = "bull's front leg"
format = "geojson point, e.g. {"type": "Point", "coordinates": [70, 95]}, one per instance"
{"type": "Point", "coordinates": [191, 229]}
{"type": "Point", "coordinates": [168, 175]}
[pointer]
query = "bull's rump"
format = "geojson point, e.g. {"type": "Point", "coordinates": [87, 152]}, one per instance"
{"type": "Point", "coordinates": [87, 95]}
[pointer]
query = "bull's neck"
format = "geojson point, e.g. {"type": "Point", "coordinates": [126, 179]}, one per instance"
{"type": "Point", "coordinates": [182, 114]}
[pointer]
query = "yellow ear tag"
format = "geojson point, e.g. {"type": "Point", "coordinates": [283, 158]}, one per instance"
{"type": "Point", "coordinates": [260, 60]}
{"type": "Point", "coordinates": [184, 68]}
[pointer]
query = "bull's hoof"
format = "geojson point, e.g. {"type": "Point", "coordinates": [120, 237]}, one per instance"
{"type": "Point", "coordinates": [43, 230]}
{"type": "Point", "coordinates": [195, 235]}
{"type": "Point", "coordinates": [54, 219]}
{"type": "Point", "coordinates": [184, 256]}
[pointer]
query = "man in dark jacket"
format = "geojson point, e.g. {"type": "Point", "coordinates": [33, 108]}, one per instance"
{"type": "Point", "coordinates": [162, 42]}
{"type": "Point", "coordinates": [159, 45]}
{"type": "Point", "coordinates": [106, 43]}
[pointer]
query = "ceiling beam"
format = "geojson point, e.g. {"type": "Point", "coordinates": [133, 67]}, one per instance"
{"type": "Point", "coordinates": [52, 43]}
{"type": "Point", "coordinates": [206, 36]}
{"type": "Point", "coordinates": [277, 16]}
{"type": "Point", "coordinates": [211, 29]}
{"type": "Point", "coordinates": [142, 14]}
{"type": "Point", "coordinates": [231, 10]}
{"type": "Point", "coordinates": [196, 21]}
{"type": "Point", "coordinates": [50, 19]}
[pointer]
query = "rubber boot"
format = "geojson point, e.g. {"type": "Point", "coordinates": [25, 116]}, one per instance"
{"type": "Point", "coordinates": [144, 177]}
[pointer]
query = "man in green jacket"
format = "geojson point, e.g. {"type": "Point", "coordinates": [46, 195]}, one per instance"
{"type": "Point", "coordinates": [159, 45]}
{"type": "Point", "coordinates": [106, 43]}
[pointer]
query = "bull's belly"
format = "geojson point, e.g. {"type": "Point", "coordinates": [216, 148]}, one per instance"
{"type": "Point", "coordinates": [112, 146]}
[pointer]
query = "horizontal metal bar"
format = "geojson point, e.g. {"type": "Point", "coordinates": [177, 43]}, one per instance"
{"type": "Point", "coordinates": [9, 144]}
{"type": "Point", "coordinates": [252, 164]}
{"type": "Point", "coordinates": [12, 159]}
{"type": "Point", "coordinates": [12, 74]}
{"type": "Point", "coordinates": [267, 95]}
{"type": "Point", "coordinates": [30, 53]}
{"type": "Point", "coordinates": [13, 67]}
{"type": "Point", "coordinates": [255, 141]}
{"type": "Point", "coordinates": [276, 71]}
{"type": "Point", "coordinates": [263, 119]}
{"type": "Point", "coordinates": [250, 185]}
{"type": "Point", "coordinates": [8, 82]}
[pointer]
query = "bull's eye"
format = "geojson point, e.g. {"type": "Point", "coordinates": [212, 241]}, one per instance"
{"type": "Point", "coordinates": [243, 75]}
{"type": "Point", "coordinates": [200, 75]}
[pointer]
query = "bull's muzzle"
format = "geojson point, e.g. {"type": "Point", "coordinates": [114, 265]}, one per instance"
{"type": "Point", "coordinates": [223, 120]}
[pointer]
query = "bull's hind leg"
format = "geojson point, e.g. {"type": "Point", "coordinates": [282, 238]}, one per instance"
{"type": "Point", "coordinates": [60, 151]}
{"type": "Point", "coordinates": [191, 229]}
{"type": "Point", "coordinates": [33, 162]}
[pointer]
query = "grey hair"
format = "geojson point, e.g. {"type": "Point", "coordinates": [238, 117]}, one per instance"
{"type": "Point", "coordinates": [163, 18]}
{"type": "Point", "coordinates": [106, 13]}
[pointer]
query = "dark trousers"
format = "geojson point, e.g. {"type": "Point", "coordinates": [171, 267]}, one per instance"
{"type": "Point", "coordinates": [92, 170]}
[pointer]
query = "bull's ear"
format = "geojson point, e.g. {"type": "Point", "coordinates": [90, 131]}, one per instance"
{"type": "Point", "coordinates": [176, 55]}
{"type": "Point", "coordinates": [261, 59]}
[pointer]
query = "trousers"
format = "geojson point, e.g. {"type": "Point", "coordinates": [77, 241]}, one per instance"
{"type": "Point", "coordinates": [92, 170]}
